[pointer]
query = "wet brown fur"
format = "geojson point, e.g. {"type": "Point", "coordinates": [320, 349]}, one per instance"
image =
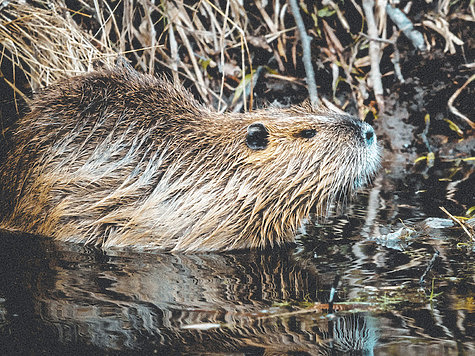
{"type": "Point", "coordinates": [116, 158]}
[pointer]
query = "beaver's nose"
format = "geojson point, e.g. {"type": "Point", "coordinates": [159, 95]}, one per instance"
{"type": "Point", "coordinates": [369, 136]}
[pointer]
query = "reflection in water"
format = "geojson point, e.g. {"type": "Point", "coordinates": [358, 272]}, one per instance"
{"type": "Point", "coordinates": [354, 332]}
{"type": "Point", "coordinates": [170, 302]}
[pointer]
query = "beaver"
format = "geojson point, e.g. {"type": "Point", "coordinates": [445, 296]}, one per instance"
{"type": "Point", "coordinates": [115, 158]}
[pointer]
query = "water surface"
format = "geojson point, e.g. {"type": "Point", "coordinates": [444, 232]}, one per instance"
{"type": "Point", "coordinates": [68, 299]}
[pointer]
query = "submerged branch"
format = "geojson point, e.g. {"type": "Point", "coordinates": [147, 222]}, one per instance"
{"type": "Point", "coordinates": [429, 267]}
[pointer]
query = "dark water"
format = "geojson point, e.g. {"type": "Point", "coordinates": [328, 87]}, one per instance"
{"type": "Point", "coordinates": [66, 299]}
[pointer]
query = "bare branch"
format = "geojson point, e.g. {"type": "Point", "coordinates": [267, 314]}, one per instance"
{"type": "Point", "coordinates": [307, 55]}
{"type": "Point", "coordinates": [453, 110]}
{"type": "Point", "coordinates": [406, 26]}
{"type": "Point", "coordinates": [374, 53]}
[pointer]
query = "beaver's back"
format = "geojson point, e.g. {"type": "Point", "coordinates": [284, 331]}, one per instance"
{"type": "Point", "coordinates": [116, 158]}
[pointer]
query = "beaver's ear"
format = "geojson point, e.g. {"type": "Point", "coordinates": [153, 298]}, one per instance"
{"type": "Point", "coordinates": [257, 136]}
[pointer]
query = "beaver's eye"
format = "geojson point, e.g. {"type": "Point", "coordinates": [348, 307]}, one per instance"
{"type": "Point", "coordinates": [307, 133]}
{"type": "Point", "coordinates": [257, 136]}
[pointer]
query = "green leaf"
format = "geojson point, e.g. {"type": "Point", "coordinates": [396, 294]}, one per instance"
{"type": "Point", "coordinates": [205, 63]}
{"type": "Point", "coordinates": [325, 12]}
{"type": "Point", "coordinates": [454, 127]}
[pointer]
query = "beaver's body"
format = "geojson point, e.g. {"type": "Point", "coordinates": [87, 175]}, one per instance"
{"type": "Point", "coordinates": [116, 158]}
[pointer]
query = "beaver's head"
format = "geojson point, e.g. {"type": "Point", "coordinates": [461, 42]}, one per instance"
{"type": "Point", "coordinates": [317, 155]}
{"type": "Point", "coordinates": [260, 174]}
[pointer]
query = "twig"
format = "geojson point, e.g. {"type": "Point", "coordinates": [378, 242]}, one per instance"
{"type": "Point", "coordinates": [425, 133]}
{"type": "Point", "coordinates": [287, 78]}
{"type": "Point", "coordinates": [272, 26]}
{"type": "Point", "coordinates": [396, 57]}
{"type": "Point", "coordinates": [174, 13]}
{"type": "Point", "coordinates": [441, 26]}
{"type": "Point", "coordinates": [429, 267]}
{"type": "Point", "coordinates": [377, 39]}
{"type": "Point", "coordinates": [221, 48]}
{"type": "Point", "coordinates": [15, 90]}
{"type": "Point", "coordinates": [374, 53]}
{"type": "Point", "coordinates": [307, 55]}
{"type": "Point", "coordinates": [406, 26]}
{"type": "Point", "coordinates": [393, 42]}
{"type": "Point", "coordinates": [454, 96]}
{"type": "Point", "coordinates": [174, 58]}
{"type": "Point", "coordinates": [454, 219]}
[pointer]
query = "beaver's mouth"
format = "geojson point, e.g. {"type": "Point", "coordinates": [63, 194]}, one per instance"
{"type": "Point", "coordinates": [372, 166]}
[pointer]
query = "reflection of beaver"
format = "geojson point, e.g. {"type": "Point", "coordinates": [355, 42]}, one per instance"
{"type": "Point", "coordinates": [116, 158]}
{"type": "Point", "coordinates": [174, 304]}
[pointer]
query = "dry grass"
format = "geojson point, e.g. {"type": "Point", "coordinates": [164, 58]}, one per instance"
{"type": "Point", "coordinates": [221, 48]}
{"type": "Point", "coordinates": [46, 44]}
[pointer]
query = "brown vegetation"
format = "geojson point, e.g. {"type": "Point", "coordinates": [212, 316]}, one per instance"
{"type": "Point", "coordinates": [224, 48]}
